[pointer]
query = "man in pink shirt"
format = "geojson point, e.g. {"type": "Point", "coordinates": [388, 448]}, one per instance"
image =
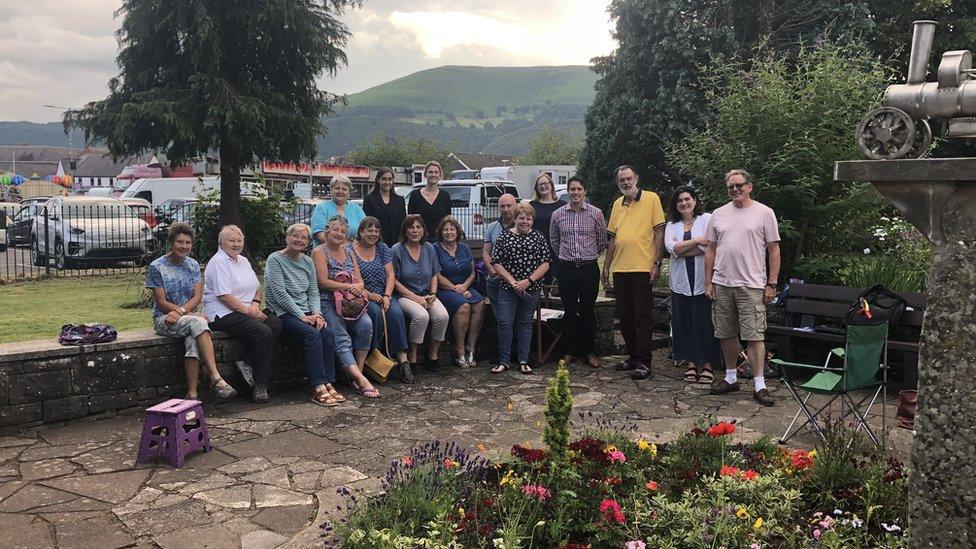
{"type": "Point", "coordinates": [742, 236]}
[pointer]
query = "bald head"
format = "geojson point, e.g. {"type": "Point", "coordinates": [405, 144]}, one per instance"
{"type": "Point", "coordinates": [506, 208]}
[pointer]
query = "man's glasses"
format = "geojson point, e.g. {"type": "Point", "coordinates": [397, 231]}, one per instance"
{"type": "Point", "coordinates": [736, 186]}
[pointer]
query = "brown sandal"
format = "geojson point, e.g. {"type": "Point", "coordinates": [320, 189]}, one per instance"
{"type": "Point", "coordinates": [335, 394]}
{"type": "Point", "coordinates": [691, 374]}
{"type": "Point", "coordinates": [324, 398]}
{"type": "Point", "coordinates": [706, 376]}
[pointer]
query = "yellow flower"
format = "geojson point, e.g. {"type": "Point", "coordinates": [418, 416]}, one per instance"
{"type": "Point", "coordinates": [742, 513]}
{"type": "Point", "coordinates": [643, 444]}
{"type": "Point", "coordinates": [758, 524]}
{"type": "Point", "coordinates": [812, 454]}
{"type": "Point", "coordinates": [507, 478]}
{"type": "Point", "coordinates": [653, 450]}
{"type": "Point", "coordinates": [461, 512]}
{"type": "Point", "coordinates": [611, 448]}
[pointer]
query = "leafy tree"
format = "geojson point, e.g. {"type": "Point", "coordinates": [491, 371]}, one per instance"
{"type": "Point", "coordinates": [649, 92]}
{"type": "Point", "coordinates": [398, 151]}
{"type": "Point", "coordinates": [553, 146]}
{"type": "Point", "coordinates": [236, 78]}
{"type": "Point", "coordinates": [787, 123]}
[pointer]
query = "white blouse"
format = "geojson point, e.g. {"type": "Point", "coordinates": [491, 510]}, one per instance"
{"type": "Point", "coordinates": [677, 272]}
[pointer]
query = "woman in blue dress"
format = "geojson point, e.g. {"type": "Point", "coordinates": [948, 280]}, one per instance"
{"type": "Point", "coordinates": [465, 305]}
{"type": "Point", "coordinates": [376, 267]}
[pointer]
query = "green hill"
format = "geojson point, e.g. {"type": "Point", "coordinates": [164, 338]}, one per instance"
{"type": "Point", "coordinates": [499, 91]}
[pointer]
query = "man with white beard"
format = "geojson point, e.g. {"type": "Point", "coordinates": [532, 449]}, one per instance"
{"type": "Point", "coordinates": [635, 249]}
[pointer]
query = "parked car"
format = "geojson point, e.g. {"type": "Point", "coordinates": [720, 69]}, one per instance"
{"type": "Point", "coordinates": [183, 210]}
{"type": "Point", "coordinates": [7, 212]}
{"type": "Point", "coordinates": [143, 209]}
{"type": "Point", "coordinates": [19, 229]}
{"type": "Point", "coordinates": [78, 228]}
{"type": "Point", "coordinates": [167, 207]}
{"type": "Point", "coordinates": [474, 202]}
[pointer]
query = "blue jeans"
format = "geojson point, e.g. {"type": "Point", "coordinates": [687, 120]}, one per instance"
{"type": "Point", "coordinates": [349, 334]}
{"type": "Point", "coordinates": [491, 291]}
{"type": "Point", "coordinates": [395, 324]}
{"type": "Point", "coordinates": [319, 349]}
{"type": "Point", "coordinates": [518, 311]}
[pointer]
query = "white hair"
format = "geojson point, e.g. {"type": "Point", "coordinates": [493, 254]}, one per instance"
{"type": "Point", "coordinates": [227, 229]}
{"type": "Point", "coordinates": [340, 180]}
{"type": "Point", "coordinates": [296, 227]}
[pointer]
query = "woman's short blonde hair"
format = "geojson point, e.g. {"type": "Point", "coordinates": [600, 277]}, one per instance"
{"type": "Point", "coordinates": [227, 229]}
{"type": "Point", "coordinates": [340, 180]}
{"type": "Point", "coordinates": [296, 227]}
{"type": "Point", "coordinates": [523, 208]}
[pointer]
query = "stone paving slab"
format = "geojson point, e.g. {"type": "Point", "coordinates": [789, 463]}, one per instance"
{"type": "Point", "coordinates": [272, 476]}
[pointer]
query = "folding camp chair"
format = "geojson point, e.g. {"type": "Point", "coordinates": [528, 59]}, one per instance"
{"type": "Point", "coordinates": [865, 352]}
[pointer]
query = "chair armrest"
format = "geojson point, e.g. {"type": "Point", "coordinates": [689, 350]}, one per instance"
{"type": "Point", "coordinates": [805, 366]}
{"type": "Point", "coordinates": [839, 351]}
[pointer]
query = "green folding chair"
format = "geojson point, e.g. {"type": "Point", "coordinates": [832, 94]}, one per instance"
{"type": "Point", "coordinates": [865, 352]}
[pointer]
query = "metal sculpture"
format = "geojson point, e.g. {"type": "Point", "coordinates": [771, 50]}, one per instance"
{"type": "Point", "coordinates": [901, 127]}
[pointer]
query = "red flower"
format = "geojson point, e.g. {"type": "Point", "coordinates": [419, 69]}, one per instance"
{"type": "Point", "coordinates": [487, 502]}
{"type": "Point", "coordinates": [484, 530]}
{"type": "Point", "coordinates": [651, 485]}
{"type": "Point", "coordinates": [529, 455]}
{"type": "Point", "coordinates": [729, 471]}
{"type": "Point", "coordinates": [749, 474]}
{"type": "Point", "coordinates": [800, 459]}
{"type": "Point", "coordinates": [721, 429]}
{"type": "Point", "coordinates": [611, 511]}
{"type": "Point", "coordinates": [613, 480]}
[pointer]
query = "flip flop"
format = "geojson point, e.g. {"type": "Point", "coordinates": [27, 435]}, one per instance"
{"type": "Point", "coordinates": [369, 393]}
{"type": "Point", "coordinates": [499, 369]}
{"type": "Point", "coordinates": [524, 368]}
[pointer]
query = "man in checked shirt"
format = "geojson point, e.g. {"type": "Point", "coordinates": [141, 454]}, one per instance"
{"type": "Point", "coordinates": [578, 234]}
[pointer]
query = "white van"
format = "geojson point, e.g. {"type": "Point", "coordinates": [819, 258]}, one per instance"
{"type": "Point", "coordinates": [160, 189]}
{"type": "Point", "coordinates": [524, 176]}
{"type": "Point", "coordinates": [474, 202]}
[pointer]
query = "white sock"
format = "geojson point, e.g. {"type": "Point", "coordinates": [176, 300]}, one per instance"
{"type": "Point", "coordinates": [760, 382]}
{"type": "Point", "coordinates": [731, 376]}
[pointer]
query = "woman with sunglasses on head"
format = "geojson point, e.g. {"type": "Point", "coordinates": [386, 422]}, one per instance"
{"type": "Point", "coordinates": [386, 206]}
{"type": "Point", "coordinates": [337, 272]}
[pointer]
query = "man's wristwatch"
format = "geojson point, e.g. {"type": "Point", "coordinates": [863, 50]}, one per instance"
{"type": "Point", "coordinates": [771, 285]}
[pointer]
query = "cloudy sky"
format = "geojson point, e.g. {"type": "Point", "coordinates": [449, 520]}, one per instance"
{"type": "Point", "coordinates": [62, 52]}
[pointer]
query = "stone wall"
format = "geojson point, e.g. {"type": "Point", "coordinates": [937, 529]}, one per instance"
{"type": "Point", "coordinates": [44, 382]}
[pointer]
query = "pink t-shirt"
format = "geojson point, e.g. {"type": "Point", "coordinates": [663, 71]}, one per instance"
{"type": "Point", "coordinates": [740, 236]}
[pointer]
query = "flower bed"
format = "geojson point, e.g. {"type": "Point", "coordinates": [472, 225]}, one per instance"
{"type": "Point", "coordinates": [607, 489]}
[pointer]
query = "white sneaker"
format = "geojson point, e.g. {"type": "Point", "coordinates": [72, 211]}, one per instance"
{"type": "Point", "coordinates": [246, 372]}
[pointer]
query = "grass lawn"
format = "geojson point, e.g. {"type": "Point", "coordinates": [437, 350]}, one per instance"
{"type": "Point", "coordinates": [38, 309]}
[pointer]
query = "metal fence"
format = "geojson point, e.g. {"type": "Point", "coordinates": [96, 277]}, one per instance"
{"type": "Point", "coordinates": [65, 237]}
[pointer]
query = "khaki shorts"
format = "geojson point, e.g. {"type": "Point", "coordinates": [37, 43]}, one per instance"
{"type": "Point", "coordinates": [739, 312]}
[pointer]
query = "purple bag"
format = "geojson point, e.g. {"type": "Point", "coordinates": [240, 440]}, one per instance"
{"type": "Point", "coordinates": [86, 334]}
{"type": "Point", "coordinates": [348, 306]}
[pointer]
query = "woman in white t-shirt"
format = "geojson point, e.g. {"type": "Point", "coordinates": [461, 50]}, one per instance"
{"type": "Point", "coordinates": [232, 302]}
{"type": "Point", "coordinates": [692, 333]}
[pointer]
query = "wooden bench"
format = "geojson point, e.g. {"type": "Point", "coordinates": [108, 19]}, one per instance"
{"type": "Point", "coordinates": [812, 305]}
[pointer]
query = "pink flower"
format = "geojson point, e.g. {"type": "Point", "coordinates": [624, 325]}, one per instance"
{"type": "Point", "coordinates": [617, 455]}
{"type": "Point", "coordinates": [816, 534]}
{"type": "Point", "coordinates": [636, 544]}
{"type": "Point", "coordinates": [754, 546]}
{"type": "Point", "coordinates": [611, 511]}
{"type": "Point", "coordinates": [537, 491]}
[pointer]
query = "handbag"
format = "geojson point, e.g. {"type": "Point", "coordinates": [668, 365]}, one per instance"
{"type": "Point", "coordinates": [84, 334]}
{"type": "Point", "coordinates": [378, 365]}
{"type": "Point", "coordinates": [348, 305]}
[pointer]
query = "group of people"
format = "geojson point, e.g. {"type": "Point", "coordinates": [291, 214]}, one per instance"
{"type": "Point", "coordinates": [390, 277]}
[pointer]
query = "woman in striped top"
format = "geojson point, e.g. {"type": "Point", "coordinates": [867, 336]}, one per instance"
{"type": "Point", "coordinates": [293, 295]}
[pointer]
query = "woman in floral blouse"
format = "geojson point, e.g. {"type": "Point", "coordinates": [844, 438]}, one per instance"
{"type": "Point", "coordinates": [521, 258]}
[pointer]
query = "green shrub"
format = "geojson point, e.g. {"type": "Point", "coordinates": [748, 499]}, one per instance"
{"type": "Point", "coordinates": [263, 225]}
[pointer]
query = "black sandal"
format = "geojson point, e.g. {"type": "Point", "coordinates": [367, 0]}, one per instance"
{"type": "Point", "coordinates": [524, 368]}
{"type": "Point", "coordinates": [501, 368]}
{"type": "Point", "coordinates": [691, 374]}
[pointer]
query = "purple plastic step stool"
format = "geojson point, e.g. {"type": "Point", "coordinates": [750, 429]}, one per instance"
{"type": "Point", "coordinates": [173, 430]}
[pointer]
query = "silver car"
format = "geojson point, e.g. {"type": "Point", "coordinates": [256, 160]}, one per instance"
{"type": "Point", "coordinates": [72, 229]}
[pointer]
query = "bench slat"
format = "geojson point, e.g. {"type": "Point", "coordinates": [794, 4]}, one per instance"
{"type": "Point", "coordinates": [843, 293]}
{"type": "Point", "coordinates": [839, 310]}
{"type": "Point", "coordinates": [834, 338]}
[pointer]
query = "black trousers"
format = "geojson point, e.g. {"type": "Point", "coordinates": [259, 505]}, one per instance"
{"type": "Point", "coordinates": [259, 339]}
{"type": "Point", "coordinates": [635, 303]}
{"type": "Point", "coordinates": [578, 288]}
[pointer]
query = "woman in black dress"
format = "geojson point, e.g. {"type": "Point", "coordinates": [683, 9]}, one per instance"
{"type": "Point", "coordinates": [545, 203]}
{"type": "Point", "coordinates": [430, 203]}
{"type": "Point", "coordinates": [387, 206]}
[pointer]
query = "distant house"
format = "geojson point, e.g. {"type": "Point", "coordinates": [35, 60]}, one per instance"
{"type": "Point", "coordinates": [476, 161]}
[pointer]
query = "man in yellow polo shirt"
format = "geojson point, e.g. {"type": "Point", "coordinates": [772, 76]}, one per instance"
{"type": "Point", "coordinates": [635, 248]}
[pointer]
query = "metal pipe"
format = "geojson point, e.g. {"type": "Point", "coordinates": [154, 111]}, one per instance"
{"type": "Point", "coordinates": [921, 50]}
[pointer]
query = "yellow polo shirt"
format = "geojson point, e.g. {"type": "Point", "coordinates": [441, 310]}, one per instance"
{"type": "Point", "coordinates": [632, 227]}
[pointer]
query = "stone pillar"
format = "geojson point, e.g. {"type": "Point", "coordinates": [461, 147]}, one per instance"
{"type": "Point", "coordinates": [943, 482]}
{"type": "Point", "coordinates": [938, 196]}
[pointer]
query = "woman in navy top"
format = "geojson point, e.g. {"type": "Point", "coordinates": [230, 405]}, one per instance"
{"type": "Point", "coordinates": [465, 305]}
